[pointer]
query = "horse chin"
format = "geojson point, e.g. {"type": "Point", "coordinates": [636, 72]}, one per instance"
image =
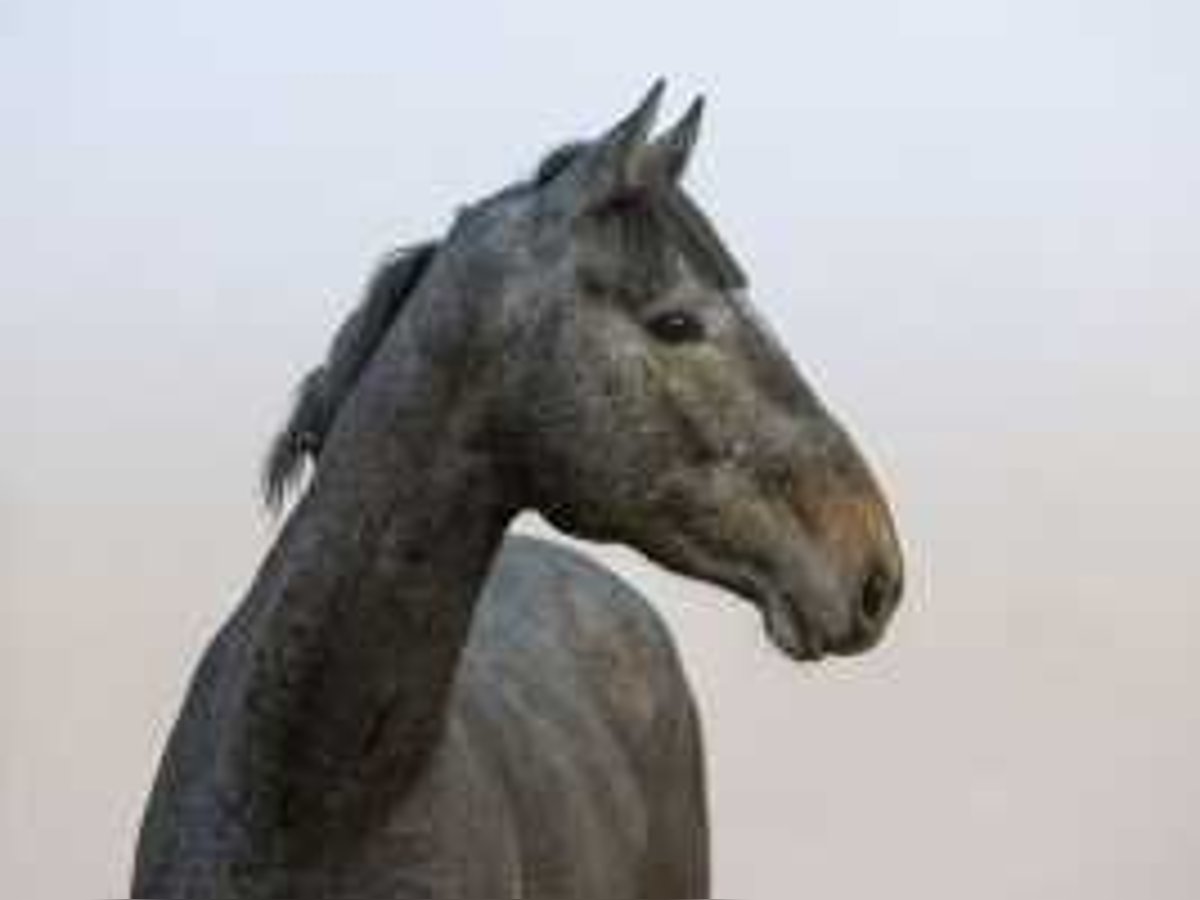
{"type": "Point", "coordinates": [789, 631]}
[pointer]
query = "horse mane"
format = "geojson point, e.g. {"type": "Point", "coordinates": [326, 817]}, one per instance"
{"type": "Point", "coordinates": [322, 391]}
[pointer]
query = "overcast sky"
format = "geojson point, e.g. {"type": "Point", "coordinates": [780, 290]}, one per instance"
{"type": "Point", "coordinates": [975, 224]}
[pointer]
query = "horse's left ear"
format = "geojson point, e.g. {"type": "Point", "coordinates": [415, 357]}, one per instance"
{"type": "Point", "coordinates": [667, 158]}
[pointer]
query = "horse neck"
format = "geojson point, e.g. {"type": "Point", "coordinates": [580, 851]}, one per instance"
{"type": "Point", "coordinates": [357, 619]}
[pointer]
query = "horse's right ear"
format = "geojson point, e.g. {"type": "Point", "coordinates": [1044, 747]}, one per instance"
{"type": "Point", "coordinates": [611, 165]}
{"type": "Point", "coordinates": [667, 158]}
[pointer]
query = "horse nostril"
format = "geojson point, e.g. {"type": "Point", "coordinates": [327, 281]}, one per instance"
{"type": "Point", "coordinates": [878, 597]}
{"type": "Point", "coordinates": [879, 594]}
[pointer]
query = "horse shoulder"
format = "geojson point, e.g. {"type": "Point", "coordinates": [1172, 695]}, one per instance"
{"type": "Point", "coordinates": [549, 610]}
{"type": "Point", "coordinates": [574, 702]}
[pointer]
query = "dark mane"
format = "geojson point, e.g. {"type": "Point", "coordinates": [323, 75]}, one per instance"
{"type": "Point", "coordinates": [322, 391]}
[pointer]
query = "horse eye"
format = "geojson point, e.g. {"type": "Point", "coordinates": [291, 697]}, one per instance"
{"type": "Point", "coordinates": [676, 327]}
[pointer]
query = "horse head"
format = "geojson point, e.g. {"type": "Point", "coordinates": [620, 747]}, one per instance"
{"type": "Point", "coordinates": [632, 394]}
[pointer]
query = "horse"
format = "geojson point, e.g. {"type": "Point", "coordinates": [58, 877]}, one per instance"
{"type": "Point", "coordinates": [410, 702]}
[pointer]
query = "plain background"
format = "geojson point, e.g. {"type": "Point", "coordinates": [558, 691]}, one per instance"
{"type": "Point", "coordinates": [975, 224]}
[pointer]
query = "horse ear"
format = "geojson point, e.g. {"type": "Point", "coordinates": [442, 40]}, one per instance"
{"type": "Point", "coordinates": [612, 164]}
{"type": "Point", "coordinates": [665, 160]}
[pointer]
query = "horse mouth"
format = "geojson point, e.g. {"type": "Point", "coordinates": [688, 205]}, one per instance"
{"type": "Point", "coordinates": [787, 625]}
{"type": "Point", "coordinates": [784, 620]}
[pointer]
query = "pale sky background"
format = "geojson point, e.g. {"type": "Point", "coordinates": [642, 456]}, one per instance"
{"type": "Point", "coordinates": [975, 224]}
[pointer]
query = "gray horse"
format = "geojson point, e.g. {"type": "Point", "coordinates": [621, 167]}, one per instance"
{"type": "Point", "coordinates": [406, 704]}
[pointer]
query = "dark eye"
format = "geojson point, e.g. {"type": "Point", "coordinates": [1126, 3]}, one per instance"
{"type": "Point", "coordinates": [676, 327]}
